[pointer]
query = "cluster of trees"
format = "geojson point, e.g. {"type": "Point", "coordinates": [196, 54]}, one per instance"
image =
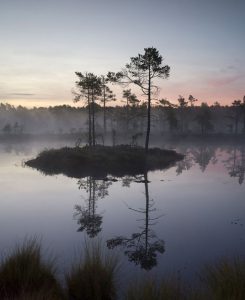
{"type": "Point", "coordinates": [204, 115]}
{"type": "Point", "coordinates": [92, 88]}
{"type": "Point", "coordinates": [141, 71]}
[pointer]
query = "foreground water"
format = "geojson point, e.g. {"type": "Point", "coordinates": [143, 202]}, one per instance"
{"type": "Point", "coordinates": [188, 215]}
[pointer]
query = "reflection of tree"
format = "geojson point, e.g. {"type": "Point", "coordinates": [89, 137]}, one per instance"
{"type": "Point", "coordinates": [203, 156]}
{"type": "Point", "coordinates": [235, 164]}
{"type": "Point", "coordinates": [126, 181]}
{"type": "Point", "coordinates": [86, 215]}
{"type": "Point", "coordinates": [142, 247]}
{"type": "Point", "coordinates": [186, 163]}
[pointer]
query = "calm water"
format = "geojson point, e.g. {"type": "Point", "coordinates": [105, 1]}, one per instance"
{"type": "Point", "coordinates": [185, 216]}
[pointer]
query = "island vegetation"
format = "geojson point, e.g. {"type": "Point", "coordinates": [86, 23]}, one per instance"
{"type": "Point", "coordinates": [101, 161]}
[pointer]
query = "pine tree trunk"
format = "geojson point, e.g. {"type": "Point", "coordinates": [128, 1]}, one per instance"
{"type": "Point", "coordinates": [93, 128]}
{"type": "Point", "coordinates": [89, 122]}
{"type": "Point", "coordinates": [148, 114]}
{"type": "Point", "coordinates": [104, 100]}
{"type": "Point", "coordinates": [127, 115]}
{"type": "Point", "coordinates": [104, 119]}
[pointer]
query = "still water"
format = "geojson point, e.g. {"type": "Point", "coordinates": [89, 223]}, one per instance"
{"type": "Point", "coordinates": [175, 221]}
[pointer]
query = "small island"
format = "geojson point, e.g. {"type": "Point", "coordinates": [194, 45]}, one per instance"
{"type": "Point", "coordinates": [100, 161]}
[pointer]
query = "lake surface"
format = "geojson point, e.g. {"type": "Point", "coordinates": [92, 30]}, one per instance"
{"type": "Point", "coordinates": [190, 214]}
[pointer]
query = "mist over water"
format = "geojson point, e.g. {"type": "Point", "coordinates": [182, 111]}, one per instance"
{"type": "Point", "coordinates": [124, 120]}
{"type": "Point", "coordinates": [192, 213]}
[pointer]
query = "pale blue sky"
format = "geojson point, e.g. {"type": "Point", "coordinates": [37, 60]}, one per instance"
{"type": "Point", "coordinates": [44, 42]}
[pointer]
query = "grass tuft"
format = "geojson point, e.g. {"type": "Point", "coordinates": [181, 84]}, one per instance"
{"type": "Point", "coordinates": [24, 274]}
{"type": "Point", "coordinates": [94, 277]}
{"type": "Point", "coordinates": [149, 289]}
{"type": "Point", "coordinates": [225, 280]}
{"type": "Point", "coordinates": [144, 290]}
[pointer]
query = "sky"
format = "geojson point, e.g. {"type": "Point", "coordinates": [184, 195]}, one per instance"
{"type": "Point", "coordinates": [44, 42]}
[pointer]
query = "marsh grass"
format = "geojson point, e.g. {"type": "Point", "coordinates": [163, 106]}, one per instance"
{"type": "Point", "coordinates": [225, 280]}
{"type": "Point", "coordinates": [24, 274]}
{"type": "Point", "coordinates": [94, 277]}
{"type": "Point", "coordinates": [41, 295]}
{"type": "Point", "coordinates": [145, 290]}
{"type": "Point", "coordinates": [150, 289]}
{"type": "Point", "coordinates": [172, 289]}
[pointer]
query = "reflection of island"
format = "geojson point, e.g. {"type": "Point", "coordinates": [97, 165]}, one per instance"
{"type": "Point", "coordinates": [142, 247]}
{"type": "Point", "coordinates": [86, 216]}
{"type": "Point", "coordinates": [235, 164]}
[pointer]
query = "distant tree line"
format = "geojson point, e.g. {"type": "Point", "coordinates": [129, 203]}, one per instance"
{"type": "Point", "coordinates": [129, 118]}
{"type": "Point", "coordinates": [41, 120]}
